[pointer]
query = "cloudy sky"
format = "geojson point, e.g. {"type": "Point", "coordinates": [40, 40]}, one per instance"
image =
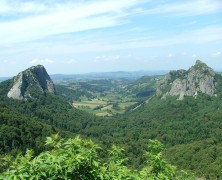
{"type": "Point", "coordinates": [78, 36]}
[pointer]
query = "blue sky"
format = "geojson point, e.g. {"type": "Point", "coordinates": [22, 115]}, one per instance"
{"type": "Point", "coordinates": [78, 36]}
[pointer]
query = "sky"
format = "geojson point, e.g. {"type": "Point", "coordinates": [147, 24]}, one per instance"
{"type": "Point", "coordinates": [81, 36]}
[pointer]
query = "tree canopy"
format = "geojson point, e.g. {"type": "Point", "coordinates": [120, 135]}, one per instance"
{"type": "Point", "coordinates": [76, 158]}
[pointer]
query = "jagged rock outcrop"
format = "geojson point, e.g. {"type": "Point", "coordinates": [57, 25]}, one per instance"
{"type": "Point", "coordinates": [181, 83]}
{"type": "Point", "coordinates": [31, 81]}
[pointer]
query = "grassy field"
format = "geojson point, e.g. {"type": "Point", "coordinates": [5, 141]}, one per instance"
{"type": "Point", "coordinates": [103, 107]}
{"type": "Point", "coordinates": [107, 97]}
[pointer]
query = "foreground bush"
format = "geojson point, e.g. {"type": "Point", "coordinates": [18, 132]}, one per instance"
{"type": "Point", "coordinates": [78, 159]}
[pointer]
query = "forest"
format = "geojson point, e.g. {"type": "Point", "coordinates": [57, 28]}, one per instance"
{"type": "Point", "coordinates": [76, 158]}
{"type": "Point", "coordinates": [189, 129]}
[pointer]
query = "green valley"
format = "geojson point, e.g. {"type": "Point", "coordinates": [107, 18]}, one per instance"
{"type": "Point", "coordinates": [110, 90]}
{"type": "Point", "coordinates": [107, 97]}
{"type": "Point", "coordinates": [180, 110]}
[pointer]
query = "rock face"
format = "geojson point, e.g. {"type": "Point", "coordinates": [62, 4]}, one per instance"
{"type": "Point", "coordinates": [181, 83]}
{"type": "Point", "coordinates": [31, 81]}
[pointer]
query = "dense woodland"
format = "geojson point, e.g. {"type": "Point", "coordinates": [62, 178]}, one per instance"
{"type": "Point", "coordinates": [79, 159]}
{"type": "Point", "coordinates": [190, 129]}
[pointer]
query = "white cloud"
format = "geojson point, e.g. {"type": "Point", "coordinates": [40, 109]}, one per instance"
{"type": "Point", "coordinates": [197, 36]}
{"type": "Point", "coordinates": [34, 61]}
{"type": "Point", "coordinates": [71, 61]}
{"type": "Point", "coordinates": [207, 35]}
{"type": "Point", "coordinates": [107, 58]}
{"type": "Point", "coordinates": [71, 16]}
{"type": "Point", "coordinates": [41, 61]}
{"type": "Point", "coordinates": [194, 56]}
{"type": "Point", "coordinates": [10, 62]}
{"type": "Point", "coordinates": [138, 10]}
{"type": "Point", "coordinates": [12, 7]}
{"type": "Point", "coordinates": [189, 23]}
{"type": "Point", "coordinates": [4, 6]}
{"type": "Point", "coordinates": [216, 53]}
{"type": "Point", "coordinates": [49, 61]}
{"type": "Point", "coordinates": [170, 55]}
{"type": "Point", "coordinates": [188, 8]}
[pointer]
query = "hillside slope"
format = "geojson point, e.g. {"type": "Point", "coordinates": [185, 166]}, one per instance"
{"type": "Point", "coordinates": [190, 127]}
{"type": "Point", "coordinates": [40, 102]}
{"type": "Point", "coordinates": [188, 122]}
{"type": "Point", "coordinates": [26, 121]}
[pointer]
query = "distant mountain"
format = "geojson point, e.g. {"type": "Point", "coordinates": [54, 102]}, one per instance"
{"type": "Point", "coordinates": [198, 79]}
{"type": "Point", "coordinates": [30, 82]}
{"type": "Point", "coordinates": [107, 75]}
{"type": "Point", "coordinates": [4, 78]}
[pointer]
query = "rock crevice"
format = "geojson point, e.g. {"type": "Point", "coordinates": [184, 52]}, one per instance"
{"type": "Point", "coordinates": [30, 81]}
{"type": "Point", "coordinates": [181, 83]}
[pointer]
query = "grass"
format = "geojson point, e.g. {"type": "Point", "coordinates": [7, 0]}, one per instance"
{"type": "Point", "coordinates": [91, 104]}
{"type": "Point", "coordinates": [126, 104]}
{"type": "Point", "coordinates": [106, 106]}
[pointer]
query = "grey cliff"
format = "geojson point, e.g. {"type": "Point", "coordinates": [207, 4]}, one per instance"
{"type": "Point", "coordinates": [181, 83]}
{"type": "Point", "coordinates": [35, 78]}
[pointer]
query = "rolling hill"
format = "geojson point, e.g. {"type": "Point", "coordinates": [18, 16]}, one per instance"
{"type": "Point", "coordinates": [185, 114]}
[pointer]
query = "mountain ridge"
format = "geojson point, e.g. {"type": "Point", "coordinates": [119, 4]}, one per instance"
{"type": "Point", "coordinates": [183, 126]}
{"type": "Point", "coordinates": [27, 82]}
{"type": "Point", "coordinates": [198, 79]}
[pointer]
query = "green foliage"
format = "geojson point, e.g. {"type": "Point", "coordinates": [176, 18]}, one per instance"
{"type": "Point", "coordinates": [195, 155]}
{"type": "Point", "coordinates": [17, 133]}
{"type": "Point", "coordinates": [143, 87]}
{"type": "Point", "coordinates": [5, 87]}
{"type": "Point", "coordinates": [79, 159]}
{"type": "Point", "coordinates": [175, 123]}
{"type": "Point", "coordinates": [51, 110]}
{"type": "Point", "coordinates": [70, 94]}
{"type": "Point", "coordinates": [171, 121]}
{"type": "Point", "coordinates": [191, 129]}
{"type": "Point", "coordinates": [116, 106]}
{"type": "Point", "coordinates": [157, 166]}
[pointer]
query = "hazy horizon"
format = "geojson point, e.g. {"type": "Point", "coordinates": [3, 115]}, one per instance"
{"type": "Point", "coordinates": [98, 72]}
{"type": "Point", "coordinates": [161, 72]}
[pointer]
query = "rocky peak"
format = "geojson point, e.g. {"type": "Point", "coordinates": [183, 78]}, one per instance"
{"type": "Point", "coordinates": [181, 83]}
{"type": "Point", "coordinates": [29, 83]}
